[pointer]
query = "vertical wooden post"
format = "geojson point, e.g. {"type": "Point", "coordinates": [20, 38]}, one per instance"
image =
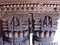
{"type": "Point", "coordinates": [1, 33]}
{"type": "Point", "coordinates": [29, 30]}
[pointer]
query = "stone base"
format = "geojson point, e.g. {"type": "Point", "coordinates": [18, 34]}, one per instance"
{"type": "Point", "coordinates": [1, 41]}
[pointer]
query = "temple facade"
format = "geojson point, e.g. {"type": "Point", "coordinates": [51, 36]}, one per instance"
{"type": "Point", "coordinates": [19, 18]}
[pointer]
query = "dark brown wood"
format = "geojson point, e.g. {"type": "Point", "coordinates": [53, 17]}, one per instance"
{"type": "Point", "coordinates": [1, 28]}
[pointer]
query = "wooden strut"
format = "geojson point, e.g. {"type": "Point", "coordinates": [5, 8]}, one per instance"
{"type": "Point", "coordinates": [31, 30]}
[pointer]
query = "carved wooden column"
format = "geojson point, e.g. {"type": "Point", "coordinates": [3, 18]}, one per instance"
{"type": "Point", "coordinates": [1, 33]}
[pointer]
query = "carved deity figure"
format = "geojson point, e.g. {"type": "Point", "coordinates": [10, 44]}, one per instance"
{"type": "Point", "coordinates": [47, 21]}
{"type": "Point", "coordinates": [15, 22]}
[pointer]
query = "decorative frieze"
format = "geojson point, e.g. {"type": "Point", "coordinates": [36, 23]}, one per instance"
{"type": "Point", "coordinates": [15, 6]}
{"type": "Point", "coordinates": [30, 7]}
